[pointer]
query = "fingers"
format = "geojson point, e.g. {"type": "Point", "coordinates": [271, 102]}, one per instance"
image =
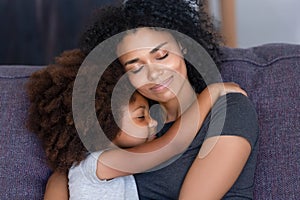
{"type": "Point", "coordinates": [244, 92]}
{"type": "Point", "coordinates": [231, 87]}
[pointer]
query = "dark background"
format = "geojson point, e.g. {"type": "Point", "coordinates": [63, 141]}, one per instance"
{"type": "Point", "coordinates": [33, 32]}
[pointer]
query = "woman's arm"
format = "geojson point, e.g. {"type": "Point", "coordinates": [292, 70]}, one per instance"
{"type": "Point", "coordinates": [211, 177]}
{"type": "Point", "coordinates": [57, 187]}
{"type": "Point", "coordinates": [118, 162]}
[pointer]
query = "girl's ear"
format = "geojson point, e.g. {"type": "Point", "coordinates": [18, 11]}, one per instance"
{"type": "Point", "coordinates": [115, 141]}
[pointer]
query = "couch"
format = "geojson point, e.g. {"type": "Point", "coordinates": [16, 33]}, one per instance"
{"type": "Point", "coordinates": [269, 73]}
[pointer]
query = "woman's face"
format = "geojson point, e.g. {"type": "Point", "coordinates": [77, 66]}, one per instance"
{"type": "Point", "coordinates": [154, 63]}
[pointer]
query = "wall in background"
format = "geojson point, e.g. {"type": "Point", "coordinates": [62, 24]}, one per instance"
{"type": "Point", "coordinates": [33, 32]}
{"type": "Point", "coordinates": [264, 21]}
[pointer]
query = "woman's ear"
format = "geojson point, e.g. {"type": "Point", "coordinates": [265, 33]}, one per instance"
{"type": "Point", "coordinates": [182, 49]}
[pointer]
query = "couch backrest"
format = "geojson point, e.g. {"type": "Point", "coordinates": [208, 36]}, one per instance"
{"type": "Point", "coordinates": [23, 171]}
{"type": "Point", "coordinates": [270, 74]}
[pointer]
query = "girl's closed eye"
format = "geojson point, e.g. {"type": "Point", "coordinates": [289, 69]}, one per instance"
{"type": "Point", "coordinates": [139, 113]}
{"type": "Point", "coordinates": [141, 117]}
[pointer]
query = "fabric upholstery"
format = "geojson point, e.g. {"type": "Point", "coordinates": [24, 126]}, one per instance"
{"type": "Point", "coordinates": [23, 171]}
{"type": "Point", "coordinates": [270, 74]}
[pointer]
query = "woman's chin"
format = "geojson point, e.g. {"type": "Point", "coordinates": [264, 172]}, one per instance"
{"type": "Point", "coordinates": [162, 96]}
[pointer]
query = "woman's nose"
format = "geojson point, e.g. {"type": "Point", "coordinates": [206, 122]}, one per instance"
{"type": "Point", "coordinates": [154, 72]}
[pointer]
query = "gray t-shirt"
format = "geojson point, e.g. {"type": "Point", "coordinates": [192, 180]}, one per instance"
{"type": "Point", "coordinates": [84, 183]}
{"type": "Point", "coordinates": [240, 119]}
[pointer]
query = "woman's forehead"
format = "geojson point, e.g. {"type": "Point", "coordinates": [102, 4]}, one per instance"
{"type": "Point", "coordinates": [144, 38]}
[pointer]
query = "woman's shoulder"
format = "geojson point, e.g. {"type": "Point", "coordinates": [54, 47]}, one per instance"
{"type": "Point", "coordinates": [236, 103]}
{"type": "Point", "coordinates": [234, 114]}
{"type": "Point", "coordinates": [237, 99]}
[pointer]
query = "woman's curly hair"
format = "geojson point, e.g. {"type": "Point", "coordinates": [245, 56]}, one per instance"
{"type": "Point", "coordinates": [175, 15]}
{"type": "Point", "coordinates": [50, 90]}
{"type": "Point", "coordinates": [50, 111]}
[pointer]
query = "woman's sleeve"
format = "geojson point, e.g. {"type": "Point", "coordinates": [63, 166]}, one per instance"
{"type": "Point", "coordinates": [234, 114]}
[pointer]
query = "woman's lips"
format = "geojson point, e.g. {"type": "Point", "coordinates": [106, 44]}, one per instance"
{"type": "Point", "coordinates": [162, 85]}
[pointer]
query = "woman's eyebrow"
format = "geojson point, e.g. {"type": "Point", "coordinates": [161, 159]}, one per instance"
{"type": "Point", "coordinates": [131, 61]}
{"type": "Point", "coordinates": [158, 47]}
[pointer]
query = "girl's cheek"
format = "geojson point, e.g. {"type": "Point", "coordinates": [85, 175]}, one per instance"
{"type": "Point", "coordinates": [144, 131]}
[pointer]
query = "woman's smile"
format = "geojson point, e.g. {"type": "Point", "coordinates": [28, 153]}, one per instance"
{"type": "Point", "coordinates": [163, 85]}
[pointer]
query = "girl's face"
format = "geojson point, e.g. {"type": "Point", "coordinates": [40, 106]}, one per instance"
{"type": "Point", "coordinates": [154, 63]}
{"type": "Point", "coordinates": [137, 125]}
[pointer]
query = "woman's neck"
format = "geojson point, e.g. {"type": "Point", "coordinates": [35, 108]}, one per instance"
{"type": "Point", "coordinates": [176, 106]}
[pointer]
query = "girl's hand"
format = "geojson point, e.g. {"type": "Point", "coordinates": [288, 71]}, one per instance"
{"type": "Point", "coordinates": [221, 89]}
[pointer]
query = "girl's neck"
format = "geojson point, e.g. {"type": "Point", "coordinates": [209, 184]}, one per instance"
{"type": "Point", "coordinates": [175, 107]}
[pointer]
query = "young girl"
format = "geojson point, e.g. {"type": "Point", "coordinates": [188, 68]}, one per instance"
{"type": "Point", "coordinates": [91, 178]}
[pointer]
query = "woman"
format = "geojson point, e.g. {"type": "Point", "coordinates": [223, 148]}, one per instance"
{"type": "Point", "coordinates": [61, 150]}
{"type": "Point", "coordinates": [156, 67]}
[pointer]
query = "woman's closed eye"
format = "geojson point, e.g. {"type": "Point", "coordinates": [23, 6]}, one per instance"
{"type": "Point", "coordinates": [162, 55]}
{"type": "Point", "coordinates": [137, 70]}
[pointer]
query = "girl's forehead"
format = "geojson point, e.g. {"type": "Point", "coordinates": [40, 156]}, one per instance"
{"type": "Point", "coordinates": [143, 39]}
{"type": "Point", "coordinates": [138, 99]}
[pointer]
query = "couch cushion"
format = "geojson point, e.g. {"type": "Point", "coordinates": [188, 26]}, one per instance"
{"type": "Point", "coordinates": [270, 74]}
{"type": "Point", "coordinates": [23, 171]}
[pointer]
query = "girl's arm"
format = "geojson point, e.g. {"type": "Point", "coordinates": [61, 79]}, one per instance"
{"type": "Point", "coordinates": [117, 162]}
{"type": "Point", "coordinates": [57, 187]}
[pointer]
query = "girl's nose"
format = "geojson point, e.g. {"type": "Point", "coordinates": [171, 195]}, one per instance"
{"type": "Point", "coordinates": [152, 126]}
{"type": "Point", "coordinates": [152, 123]}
